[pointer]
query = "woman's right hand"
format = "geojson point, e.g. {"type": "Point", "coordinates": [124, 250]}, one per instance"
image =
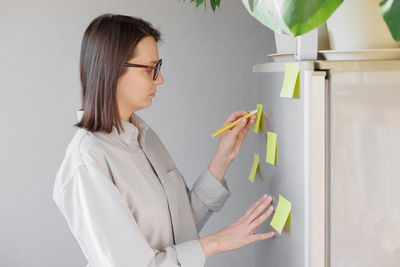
{"type": "Point", "coordinates": [241, 232]}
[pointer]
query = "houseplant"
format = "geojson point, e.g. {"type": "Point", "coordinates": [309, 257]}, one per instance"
{"type": "Point", "coordinates": [289, 17]}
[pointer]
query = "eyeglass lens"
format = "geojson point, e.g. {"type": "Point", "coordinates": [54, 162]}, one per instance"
{"type": "Point", "coordinates": [157, 70]}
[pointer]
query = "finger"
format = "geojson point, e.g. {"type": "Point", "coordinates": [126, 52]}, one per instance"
{"type": "Point", "coordinates": [263, 236]}
{"type": "Point", "coordinates": [261, 219]}
{"type": "Point", "coordinates": [250, 123]}
{"type": "Point", "coordinates": [240, 126]}
{"type": "Point", "coordinates": [255, 205]}
{"type": "Point", "coordinates": [234, 116]}
{"type": "Point", "coordinates": [260, 209]}
{"type": "Point", "coordinates": [250, 120]}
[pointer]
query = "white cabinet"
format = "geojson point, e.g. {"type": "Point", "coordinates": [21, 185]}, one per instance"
{"type": "Point", "coordinates": [349, 196]}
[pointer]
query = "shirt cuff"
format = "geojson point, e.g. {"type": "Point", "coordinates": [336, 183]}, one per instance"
{"type": "Point", "coordinates": [212, 192]}
{"type": "Point", "coordinates": [190, 254]}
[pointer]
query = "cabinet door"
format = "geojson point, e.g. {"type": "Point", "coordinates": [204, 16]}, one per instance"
{"type": "Point", "coordinates": [364, 169]}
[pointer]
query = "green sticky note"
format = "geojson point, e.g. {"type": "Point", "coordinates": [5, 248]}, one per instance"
{"type": "Point", "coordinates": [281, 215]}
{"type": "Point", "coordinates": [291, 81]}
{"type": "Point", "coordinates": [255, 167]}
{"type": "Point", "coordinates": [271, 156]}
{"type": "Point", "coordinates": [259, 117]}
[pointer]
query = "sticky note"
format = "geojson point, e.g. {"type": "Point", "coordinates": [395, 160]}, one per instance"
{"type": "Point", "coordinates": [291, 81]}
{"type": "Point", "coordinates": [271, 156]}
{"type": "Point", "coordinates": [282, 214]}
{"type": "Point", "coordinates": [255, 168]}
{"type": "Point", "coordinates": [263, 127]}
{"type": "Point", "coordinates": [259, 117]}
{"type": "Point", "coordinates": [259, 172]}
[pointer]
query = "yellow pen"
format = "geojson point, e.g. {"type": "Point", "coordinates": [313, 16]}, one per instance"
{"type": "Point", "coordinates": [226, 127]}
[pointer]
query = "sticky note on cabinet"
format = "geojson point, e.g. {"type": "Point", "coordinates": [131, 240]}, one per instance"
{"type": "Point", "coordinates": [255, 168]}
{"type": "Point", "coordinates": [260, 114]}
{"type": "Point", "coordinates": [291, 81]}
{"type": "Point", "coordinates": [282, 213]}
{"type": "Point", "coordinates": [272, 148]}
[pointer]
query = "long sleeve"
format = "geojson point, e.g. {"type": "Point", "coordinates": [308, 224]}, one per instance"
{"type": "Point", "coordinates": [207, 196]}
{"type": "Point", "coordinates": [106, 230]}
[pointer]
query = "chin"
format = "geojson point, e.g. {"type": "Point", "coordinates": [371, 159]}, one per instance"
{"type": "Point", "coordinates": [148, 103]}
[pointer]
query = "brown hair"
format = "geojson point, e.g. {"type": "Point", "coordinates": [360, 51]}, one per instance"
{"type": "Point", "coordinates": [108, 42]}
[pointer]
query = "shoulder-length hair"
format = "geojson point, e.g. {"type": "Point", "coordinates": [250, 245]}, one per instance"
{"type": "Point", "coordinates": [108, 42]}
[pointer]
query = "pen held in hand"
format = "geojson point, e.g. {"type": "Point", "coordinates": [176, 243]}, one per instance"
{"type": "Point", "coordinates": [227, 127]}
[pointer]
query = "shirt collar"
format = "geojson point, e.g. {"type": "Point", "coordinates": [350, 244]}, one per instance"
{"type": "Point", "coordinates": [132, 130]}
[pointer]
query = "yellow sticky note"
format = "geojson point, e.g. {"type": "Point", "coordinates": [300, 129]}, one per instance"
{"type": "Point", "coordinates": [259, 172]}
{"type": "Point", "coordinates": [291, 81]}
{"type": "Point", "coordinates": [263, 127]}
{"type": "Point", "coordinates": [255, 168]}
{"type": "Point", "coordinates": [259, 117]}
{"type": "Point", "coordinates": [271, 156]}
{"type": "Point", "coordinates": [281, 215]}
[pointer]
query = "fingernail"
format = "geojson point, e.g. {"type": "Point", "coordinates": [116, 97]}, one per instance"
{"type": "Point", "coordinates": [265, 195]}
{"type": "Point", "coordinates": [243, 121]}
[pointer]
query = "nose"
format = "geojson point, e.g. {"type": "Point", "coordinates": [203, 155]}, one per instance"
{"type": "Point", "coordinates": [160, 79]}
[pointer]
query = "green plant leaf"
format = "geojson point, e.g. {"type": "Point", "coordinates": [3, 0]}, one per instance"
{"type": "Point", "coordinates": [199, 2]}
{"type": "Point", "coordinates": [390, 11]}
{"type": "Point", "coordinates": [213, 5]}
{"type": "Point", "coordinates": [266, 16]}
{"type": "Point", "coordinates": [295, 17]}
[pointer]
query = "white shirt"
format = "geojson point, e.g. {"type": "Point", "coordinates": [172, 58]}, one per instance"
{"type": "Point", "coordinates": [127, 204]}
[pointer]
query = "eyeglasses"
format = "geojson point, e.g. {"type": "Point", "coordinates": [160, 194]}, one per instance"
{"type": "Point", "coordinates": [156, 68]}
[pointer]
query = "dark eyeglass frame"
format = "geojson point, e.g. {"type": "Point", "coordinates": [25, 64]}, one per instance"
{"type": "Point", "coordinates": [156, 68]}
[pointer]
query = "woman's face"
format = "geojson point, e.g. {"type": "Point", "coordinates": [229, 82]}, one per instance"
{"type": "Point", "coordinates": [136, 86]}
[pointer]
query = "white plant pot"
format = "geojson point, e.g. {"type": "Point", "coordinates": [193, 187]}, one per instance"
{"type": "Point", "coordinates": [358, 25]}
{"type": "Point", "coordinates": [285, 44]}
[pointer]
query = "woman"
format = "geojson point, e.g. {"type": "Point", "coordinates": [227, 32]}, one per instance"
{"type": "Point", "coordinates": [123, 198]}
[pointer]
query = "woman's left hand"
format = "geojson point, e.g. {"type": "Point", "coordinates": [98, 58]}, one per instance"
{"type": "Point", "coordinates": [231, 140]}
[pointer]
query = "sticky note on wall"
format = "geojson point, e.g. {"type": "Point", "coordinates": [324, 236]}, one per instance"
{"type": "Point", "coordinates": [263, 127]}
{"type": "Point", "coordinates": [259, 118]}
{"type": "Point", "coordinates": [291, 81]}
{"type": "Point", "coordinates": [255, 168]}
{"type": "Point", "coordinates": [272, 148]}
{"type": "Point", "coordinates": [281, 215]}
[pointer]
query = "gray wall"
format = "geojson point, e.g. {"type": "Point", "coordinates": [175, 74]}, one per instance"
{"type": "Point", "coordinates": [207, 70]}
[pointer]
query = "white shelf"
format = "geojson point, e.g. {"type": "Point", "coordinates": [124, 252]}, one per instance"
{"type": "Point", "coordinates": [333, 66]}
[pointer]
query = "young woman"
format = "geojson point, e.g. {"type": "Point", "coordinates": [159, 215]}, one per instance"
{"type": "Point", "coordinates": [120, 192]}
